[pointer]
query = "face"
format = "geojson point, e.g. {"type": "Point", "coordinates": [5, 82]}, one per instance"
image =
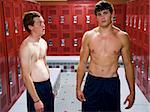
{"type": "Point", "coordinates": [39, 26]}
{"type": "Point", "coordinates": [104, 18]}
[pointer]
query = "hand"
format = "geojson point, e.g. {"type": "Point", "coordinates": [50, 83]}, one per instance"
{"type": "Point", "coordinates": [130, 99]}
{"type": "Point", "coordinates": [39, 107]}
{"type": "Point", "coordinates": [80, 95]}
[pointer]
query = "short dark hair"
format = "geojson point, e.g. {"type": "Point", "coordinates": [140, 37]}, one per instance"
{"type": "Point", "coordinates": [28, 19]}
{"type": "Point", "coordinates": [103, 5]}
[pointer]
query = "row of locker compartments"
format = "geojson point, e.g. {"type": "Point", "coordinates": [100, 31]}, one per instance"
{"type": "Point", "coordinates": [143, 7]}
{"type": "Point", "coordinates": [138, 22]}
{"type": "Point", "coordinates": [140, 38]}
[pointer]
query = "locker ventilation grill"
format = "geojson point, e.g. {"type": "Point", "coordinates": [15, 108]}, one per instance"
{"type": "Point", "coordinates": [66, 27]}
{"type": "Point", "coordinates": [66, 35]}
{"type": "Point", "coordinates": [78, 35]}
{"type": "Point", "coordinates": [52, 12]}
{"type": "Point", "coordinates": [54, 27]}
{"type": "Point", "coordinates": [65, 12]}
{"type": "Point", "coordinates": [1, 48]}
{"type": "Point", "coordinates": [3, 101]}
{"type": "Point", "coordinates": [78, 12]}
{"type": "Point", "coordinates": [79, 27]}
{"type": "Point", "coordinates": [53, 35]}
{"type": "Point", "coordinates": [90, 11]}
{"type": "Point", "coordinates": [13, 90]}
{"type": "Point", "coordinates": [1, 67]}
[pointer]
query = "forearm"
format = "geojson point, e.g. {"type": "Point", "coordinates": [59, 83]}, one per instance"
{"type": "Point", "coordinates": [31, 88]}
{"type": "Point", "coordinates": [130, 78]}
{"type": "Point", "coordinates": [80, 76]}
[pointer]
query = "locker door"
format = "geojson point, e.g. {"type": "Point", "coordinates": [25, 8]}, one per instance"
{"type": "Point", "coordinates": [45, 16]}
{"type": "Point", "coordinates": [119, 20]}
{"type": "Point", "coordinates": [77, 42]}
{"type": "Point", "coordinates": [65, 30]}
{"type": "Point", "coordinates": [9, 29]}
{"type": "Point", "coordinates": [144, 71]}
{"type": "Point", "coordinates": [11, 49]}
{"type": "Point", "coordinates": [53, 18]}
{"type": "Point", "coordinates": [78, 26]}
{"type": "Point", "coordinates": [18, 25]}
{"type": "Point", "coordinates": [4, 94]}
{"type": "Point", "coordinates": [91, 21]}
{"type": "Point", "coordinates": [53, 37]}
{"type": "Point", "coordinates": [53, 43]}
{"type": "Point", "coordinates": [24, 8]}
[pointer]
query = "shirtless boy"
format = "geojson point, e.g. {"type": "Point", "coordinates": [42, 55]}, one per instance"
{"type": "Point", "coordinates": [104, 44]}
{"type": "Point", "coordinates": [35, 72]}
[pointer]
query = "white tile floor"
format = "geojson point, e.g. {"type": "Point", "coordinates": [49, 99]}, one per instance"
{"type": "Point", "coordinates": [66, 101]}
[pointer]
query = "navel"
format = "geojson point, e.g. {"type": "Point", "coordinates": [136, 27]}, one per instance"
{"type": "Point", "coordinates": [92, 50]}
{"type": "Point", "coordinates": [102, 70]}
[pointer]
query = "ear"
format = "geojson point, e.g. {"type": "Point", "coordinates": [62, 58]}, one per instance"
{"type": "Point", "coordinates": [113, 17]}
{"type": "Point", "coordinates": [30, 27]}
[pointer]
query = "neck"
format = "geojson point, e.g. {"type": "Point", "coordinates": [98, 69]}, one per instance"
{"type": "Point", "coordinates": [35, 37]}
{"type": "Point", "coordinates": [104, 30]}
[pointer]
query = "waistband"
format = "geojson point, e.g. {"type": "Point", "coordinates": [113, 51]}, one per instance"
{"type": "Point", "coordinates": [42, 82]}
{"type": "Point", "coordinates": [104, 78]}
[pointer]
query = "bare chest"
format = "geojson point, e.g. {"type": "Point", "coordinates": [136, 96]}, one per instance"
{"type": "Point", "coordinates": [105, 46]}
{"type": "Point", "coordinates": [39, 51]}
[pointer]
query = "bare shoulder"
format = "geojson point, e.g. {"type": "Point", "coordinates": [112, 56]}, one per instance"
{"type": "Point", "coordinates": [89, 34]}
{"type": "Point", "coordinates": [43, 41]}
{"type": "Point", "coordinates": [122, 35]}
{"type": "Point", "coordinates": [25, 47]}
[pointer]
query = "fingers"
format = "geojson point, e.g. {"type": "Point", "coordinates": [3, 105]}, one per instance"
{"type": "Point", "coordinates": [130, 103]}
{"type": "Point", "coordinates": [80, 97]}
{"type": "Point", "coordinates": [40, 110]}
{"type": "Point", "coordinates": [125, 101]}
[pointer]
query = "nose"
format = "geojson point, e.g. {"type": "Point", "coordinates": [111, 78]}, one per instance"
{"type": "Point", "coordinates": [43, 24]}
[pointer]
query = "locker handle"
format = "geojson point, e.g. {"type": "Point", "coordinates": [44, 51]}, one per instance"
{"type": "Point", "coordinates": [75, 19]}
{"type": "Point", "coordinates": [75, 42]}
{"type": "Point", "coordinates": [6, 28]}
{"type": "Point", "coordinates": [145, 24]}
{"type": "Point", "coordinates": [62, 19]}
{"type": "Point", "coordinates": [15, 26]}
{"type": "Point", "coordinates": [11, 77]}
{"type": "Point", "coordinates": [19, 70]}
{"type": "Point", "coordinates": [62, 42]}
{"type": "Point", "coordinates": [142, 67]}
{"type": "Point", "coordinates": [88, 19]}
{"type": "Point", "coordinates": [149, 73]}
{"type": "Point", "coordinates": [50, 43]}
{"type": "Point", "coordinates": [50, 19]}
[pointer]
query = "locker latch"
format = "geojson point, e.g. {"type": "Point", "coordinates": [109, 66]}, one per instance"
{"type": "Point", "coordinates": [75, 19]}
{"type": "Point", "coordinates": [62, 19]}
{"type": "Point", "coordinates": [6, 29]}
{"type": "Point", "coordinates": [87, 19]}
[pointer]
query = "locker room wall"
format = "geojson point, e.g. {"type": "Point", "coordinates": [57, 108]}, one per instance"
{"type": "Point", "coordinates": [3, 68]}
{"type": "Point", "coordinates": [11, 35]}
{"type": "Point", "coordinates": [137, 25]}
{"type": "Point", "coordinates": [66, 22]}
{"type": "Point", "coordinates": [65, 25]}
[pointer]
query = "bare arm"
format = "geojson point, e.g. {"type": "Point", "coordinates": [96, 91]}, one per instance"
{"type": "Point", "coordinates": [26, 65]}
{"type": "Point", "coordinates": [45, 57]}
{"type": "Point", "coordinates": [84, 54]}
{"type": "Point", "coordinates": [128, 70]}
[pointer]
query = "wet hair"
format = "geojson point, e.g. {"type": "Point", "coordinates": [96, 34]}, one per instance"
{"type": "Point", "coordinates": [28, 19]}
{"type": "Point", "coordinates": [103, 5]}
